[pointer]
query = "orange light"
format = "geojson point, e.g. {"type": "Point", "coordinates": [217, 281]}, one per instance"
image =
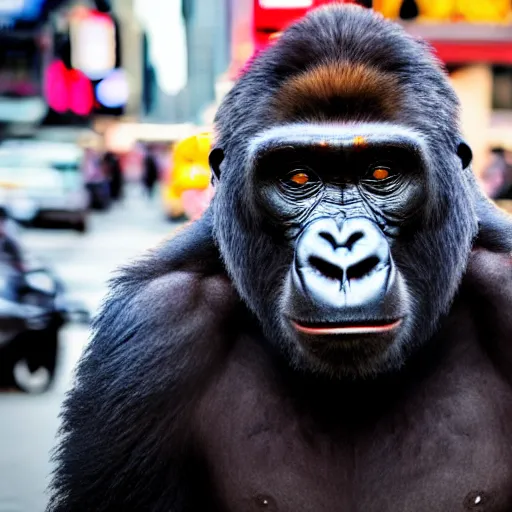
{"type": "Point", "coordinates": [359, 141]}
{"type": "Point", "coordinates": [380, 174]}
{"type": "Point", "coordinates": [275, 35]}
{"type": "Point", "coordinates": [301, 178]}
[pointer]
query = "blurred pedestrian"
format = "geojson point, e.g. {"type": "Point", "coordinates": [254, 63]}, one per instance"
{"type": "Point", "coordinates": [497, 176]}
{"type": "Point", "coordinates": [150, 176]}
{"type": "Point", "coordinates": [96, 180]}
{"type": "Point", "coordinates": [12, 263]}
{"type": "Point", "coordinates": [114, 174]}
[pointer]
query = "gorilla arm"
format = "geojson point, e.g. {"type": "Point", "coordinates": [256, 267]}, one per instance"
{"type": "Point", "coordinates": [127, 439]}
{"type": "Point", "coordinates": [488, 279]}
{"type": "Point", "coordinates": [488, 282]}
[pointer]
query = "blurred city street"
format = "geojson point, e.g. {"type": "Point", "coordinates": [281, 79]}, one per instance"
{"type": "Point", "coordinates": [85, 262]}
{"type": "Point", "coordinates": [107, 112]}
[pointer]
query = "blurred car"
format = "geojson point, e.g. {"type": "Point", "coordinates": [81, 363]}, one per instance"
{"type": "Point", "coordinates": [41, 182]}
{"type": "Point", "coordinates": [186, 186]}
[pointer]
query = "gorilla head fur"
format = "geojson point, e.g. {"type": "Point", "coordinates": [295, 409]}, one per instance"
{"type": "Point", "coordinates": [344, 71]}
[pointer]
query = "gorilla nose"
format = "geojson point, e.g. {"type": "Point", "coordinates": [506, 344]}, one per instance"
{"type": "Point", "coordinates": [344, 253]}
{"type": "Point", "coordinates": [342, 261]}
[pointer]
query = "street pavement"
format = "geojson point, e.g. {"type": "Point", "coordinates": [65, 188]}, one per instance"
{"type": "Point", "coordinates": [28, 423]}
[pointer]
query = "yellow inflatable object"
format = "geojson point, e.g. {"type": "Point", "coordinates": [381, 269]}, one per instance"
{"type": "Point", "coordinates": [436, 10]}
{"type": "Point", "coordinates": [486, 11]}
{"type": "Point", "coordinates": [471, 11]}
{"type": "Point", "coordinates": [189, 170]}
{"type": "Point", "coordinates": [388, 8]}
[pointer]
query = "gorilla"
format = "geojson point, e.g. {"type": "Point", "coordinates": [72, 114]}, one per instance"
{"type": "Point", "coordinates": [335, 332]}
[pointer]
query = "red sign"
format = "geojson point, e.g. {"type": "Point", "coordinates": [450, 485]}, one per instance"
{"type": "Point", "coordinates": [270, 17]}
{"type": "Point", "coordinates": [276, 15]}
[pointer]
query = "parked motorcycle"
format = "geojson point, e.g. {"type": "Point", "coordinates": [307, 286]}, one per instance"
{"type": "Point", "coordinates": [33, 309]}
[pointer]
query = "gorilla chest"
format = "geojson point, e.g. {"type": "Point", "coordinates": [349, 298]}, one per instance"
{"type": "Point", "coordinates": [445, 447]}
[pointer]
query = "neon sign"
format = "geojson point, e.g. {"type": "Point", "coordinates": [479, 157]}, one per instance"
{"type": "Point", "coordinates": [93, 42]}
{"type": "Point", "coordinates": [68, 90]}
{"type": "Point", "coordinates": [285, 4]}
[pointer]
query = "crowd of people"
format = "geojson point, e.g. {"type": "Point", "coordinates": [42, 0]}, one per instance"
{"type": "Point", "coordinates": [105, 178]}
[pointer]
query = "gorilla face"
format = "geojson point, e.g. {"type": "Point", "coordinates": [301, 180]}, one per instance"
{"type": "Point", "coordinates": [344, 212]}
{"type": "Point", "coordinates": [341, 196]}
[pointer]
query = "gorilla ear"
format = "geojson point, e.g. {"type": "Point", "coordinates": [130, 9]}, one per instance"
{"type": "Point", "coordinates": [465, 154]}
{"type": "Point", "coordinates": [215, 159]}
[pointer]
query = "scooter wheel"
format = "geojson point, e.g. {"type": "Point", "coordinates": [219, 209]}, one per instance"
{"type": "Point", "coordinates": [33, 369]}
{"type": "Point", "coordinates": [28, 381]}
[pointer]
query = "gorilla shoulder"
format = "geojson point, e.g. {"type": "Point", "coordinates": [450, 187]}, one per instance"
{"type": "Point", "coordinates": [488, 281]}
{"type": "Point", "coordinates": [175, 306]}
{"type": "Point", "coordinates": [178, 293]}
{"type": "Point", "coordinates": [159, 338]}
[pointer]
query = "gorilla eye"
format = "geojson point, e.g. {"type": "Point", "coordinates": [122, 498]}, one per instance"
{"type": "Point", "coordinates": [382, 178]}
{"type": "Point", "coordinates": [300, 178]}
{"type": "Point", "coordinates": [380, 173]}
{"type": "Point", "coordinates": [300, 184]}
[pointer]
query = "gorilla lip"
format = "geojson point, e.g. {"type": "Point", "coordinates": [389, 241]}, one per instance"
{"type": "Point", "coordinates": [370, 327]}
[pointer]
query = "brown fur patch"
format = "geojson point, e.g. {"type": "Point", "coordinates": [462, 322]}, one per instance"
{"type": "Point", "coordinates": [337, 90]}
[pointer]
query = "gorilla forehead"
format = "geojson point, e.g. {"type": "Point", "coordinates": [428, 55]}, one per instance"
{"type": "Point", "coordinates": [339, 36]}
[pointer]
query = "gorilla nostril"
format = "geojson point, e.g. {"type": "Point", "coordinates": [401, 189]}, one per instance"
{"type": "Point", "coordinates": [352, 239]}
{"type": "Point", "coordinates": [362, 268]}
{"type": "Point", "coordinates": [326, 269]}
{"type": "Point", "coordinates": [329, 237]}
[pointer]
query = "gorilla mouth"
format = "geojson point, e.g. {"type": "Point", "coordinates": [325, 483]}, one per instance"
{"type": "Point", "coordinates": [368, 327]}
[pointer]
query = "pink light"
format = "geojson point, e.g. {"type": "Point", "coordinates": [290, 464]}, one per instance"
{"type": "Point", "coordinates": [81, 93]}
{"type": "Point", "coordinates": [68, 89]}
{"type": "Point", "coordinates": [55, 87]}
